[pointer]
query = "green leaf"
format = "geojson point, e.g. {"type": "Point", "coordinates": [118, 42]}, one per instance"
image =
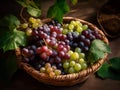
{"type": "Point", "coordinates": [110, 70]}
{"type": "Point", "coordinates": [115, 63]}
{"type": "Point", "coordinates": [10, 40]}
{"type": "Point", "coordinates": [63, 6]}
{"type": "Point", "coordinates": [22, 2]}
{"type": "Point", "coordinates": [97, 50]}
{"type": "Point", "coordinates": [34, 11]}
{"type": "Point", "coordinates": [9, 21]}
{"type": "Point", "coordinates": [56, 13]}
{"type": "Point", "coordinates": [100, 45]}
{"type": "Point", "coordinates": [8, 66]}
{"type": "Point", "coordinates": [104, 72]}
{"type": "Point", "coordinates": [57, 10]}
{"type": "Point", "coordinates": [32, 8]}
{"type": "Point", "coordinates": [74, 1]}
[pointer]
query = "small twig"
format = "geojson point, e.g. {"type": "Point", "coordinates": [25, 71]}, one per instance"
{"type": "Point", "coordinates": [21, 14]}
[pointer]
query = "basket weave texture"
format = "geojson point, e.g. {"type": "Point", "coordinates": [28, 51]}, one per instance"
{"type": "Point", "coordinates": [68, 79]}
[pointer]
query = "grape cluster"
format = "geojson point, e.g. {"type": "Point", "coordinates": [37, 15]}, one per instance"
{"type": "Point", "coordinates": [76, 62]}
{"type": "Point", "coordinates": [50, 70]}
{"type": "Point", "coordinates": [57, 49]}
{"type": "Point", "coordinates": [81, 37]}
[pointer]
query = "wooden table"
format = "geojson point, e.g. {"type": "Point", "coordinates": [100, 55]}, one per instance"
{"type": "Point", "coordinates": [84, 10]}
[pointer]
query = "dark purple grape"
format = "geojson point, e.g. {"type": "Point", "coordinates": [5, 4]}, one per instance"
{"type": "Point", "coordinates": [75, 44]}
{"type": "Point", "coordinates": [75, 35]}
{"type": "Point", "coordinates": [59, 65]}
{"type": "Point", "coordinates": [57, 59]}
{"type": "Point", "coordinates": [54, 53]}
{"type": "Point", "coordinates": [87, 42]}
{"type": "Point", "coordinates": [81, 37]}
{"type": "Point", "coordinates": [85, 48]}
{"type": "Point", "coordinates": [85, 32]}
{"type": "Point", "coordinates": [25, 52]}
{"type": "Point", "coordinates": [67, 56]}
{"type": "Point", "coordinates": [81, 44]}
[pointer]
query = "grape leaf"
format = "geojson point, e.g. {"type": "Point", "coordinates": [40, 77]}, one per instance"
{"type": "Point", "coordinates": [100, 45]}
{"type": "Point", "coordinates": [34, 11]}
{"type": "Point", "coordinates": [8, 66]}
{"type": "Point", "coordinates": [10, 40]}
{"type": "Point", "coordinates": [32, 8]}
{"type": "Point", "coordinates": [57, 10]}
{"type": "Point", "coordinates": [115, 63]}
{"type": "Point", "coordinates": [97, 50]}
{"type": "Point", "coordinates": [74, 1]}
{"type": "Point", "coordinates": [104, 72]}
{"type": "Point", "coordinates": [9, 21]}
{"type": "Point", "coordinates": [108, 70]}
{"type": "Point", "coordinates": [63, 6]}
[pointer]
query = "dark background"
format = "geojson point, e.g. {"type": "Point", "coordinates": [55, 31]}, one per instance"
{"type": "Point", "coordinates": [83, 10]}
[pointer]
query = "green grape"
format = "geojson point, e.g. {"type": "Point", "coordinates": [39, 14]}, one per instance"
{"type": "Point", "coordinates": [66, 64]}
{"type": "Point", "coordinates": [57, 72]}
{"type": "Point", "coordinates": [72, 63]}
{"type": "Point", "coordinates": [65, 31]}
{"type": "Point", "coordinates": [83, 65]}
{"type": "Point", "coordinates": [74, 56]}
{"type": "Point", "coordinates": [85, 27]}
{"type": "Point", "coordinates": [70, 52]}
{"type": "Point", "coordinates": [73, 23]}
{"type": "Point", "coordinates": [77, 67]}
{"type": "Point", "coordinates": [78, 24]}
{"type": "Point", "coordinates": [35, 25]}
{"type": "Point", "coordinates": [24, 25]}
{"type": "Point", "coordinates": [81, 55]}
{"type": "Point", "coordinates": [29, 32]}
{"type": "Point", "coordinates": [32, 20]}
{"type": "Point", "coordinates": [71, 27]}
{"type": "Point", "coordinates": [78, 50]}
{"type": "Point", "coordinates": [38, 21]}
{"type": "Point", "coordinates": [42, 70]}
{"type": "Point", "coordinates": [81, 60]}
{"type": "Point", "coordinates": [79, 29]}
{"type": "Point", "coordinates": [71, 70]}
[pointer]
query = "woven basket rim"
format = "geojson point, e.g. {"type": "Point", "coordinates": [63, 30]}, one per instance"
{"type": "Point", "coordinates": [68, 77]}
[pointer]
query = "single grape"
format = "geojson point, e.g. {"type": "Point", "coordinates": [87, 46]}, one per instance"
{"type": "Point", "coordinates": [24, 25]}
{"type": "Point", "coordinates": [77, 67]}
{"type": "Point", "coordinates": [81, 60]}
{"type": "Point", "coordinates": [51, 74]}
{"type": "Point", "coordinates": [83, 65]}
{"type": "Point", "coordinates": [71, 70]}
{"type": "Point", "coordinates": [74, 56]}
{"type": "Point", "coordinates": [42, 70]}
{"type": "Point", "coordinates": [85, 27]}
{"type": "Point", "coordinates": [57, 72]}
{"type": "Point", "coordinates": [49, 69]}
{"type": "Point", "coordinates": [72, 63]}
{"type": "Point", "coordinates": [28, 31]}
{"type": "Point", "coordinates": [66, 64]}
{"type": "Point", "coordinates": [78, 50]}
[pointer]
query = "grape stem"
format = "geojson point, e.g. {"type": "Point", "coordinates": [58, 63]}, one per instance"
{"type": "Point", "coordinates": [21, 15]}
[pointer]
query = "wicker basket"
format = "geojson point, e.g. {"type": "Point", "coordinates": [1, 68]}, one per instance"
{"type": "Point", "coordinates": [63, 80]}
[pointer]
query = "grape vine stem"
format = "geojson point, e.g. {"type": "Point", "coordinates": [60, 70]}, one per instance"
{"type": "Point", "coordinates": [21, 14]}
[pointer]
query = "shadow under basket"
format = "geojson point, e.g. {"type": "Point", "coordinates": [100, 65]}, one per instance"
{"type": "Point", "coordinates": [68, 79]}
